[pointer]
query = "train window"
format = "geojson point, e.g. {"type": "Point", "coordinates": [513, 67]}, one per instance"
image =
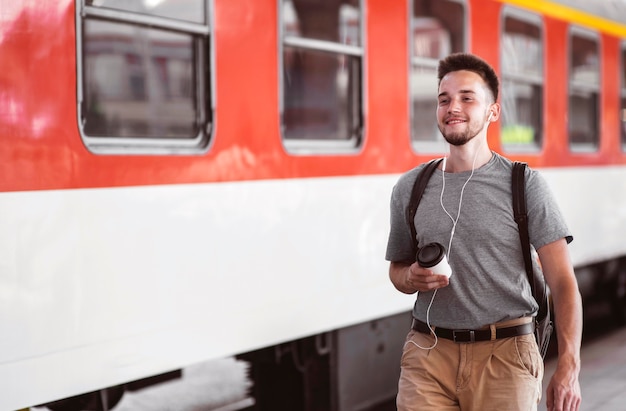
{"type": "Point", "coordinates": [623, 98]}
{"type": "Point", "coordinates": [522, 81]}
{"type": "Point", "coordinates": [322, 65]}
{"type": "Point", "coordinates": [584, 91]}
{"type": "Point", "coordinates": [437, 29]}
{"type": "Point", "coordinates": [192, 11]}
{"type": "Point", "coordinates": [144, 83]}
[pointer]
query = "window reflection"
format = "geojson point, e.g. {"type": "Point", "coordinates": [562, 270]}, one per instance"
{"type": "Point", "coordinates": [138, 82]}
{"type": "Point", "coordinates": [584, 93]}
{"type": "Point", "coordinates": [187, 10]}
{"type": "Point", "coordinates": [320, 98]}
{"type": "Point", "coordinates": [322, 70]}
{"type": "Point", "coordinates": [438, 29]}
{"type": "Point", "coordinates": [522, 85]}
{"type": "Point", "coordinates": [337, 21]}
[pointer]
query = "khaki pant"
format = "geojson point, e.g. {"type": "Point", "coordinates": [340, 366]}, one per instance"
{"type": "Point", "coordinates": [498, 375]}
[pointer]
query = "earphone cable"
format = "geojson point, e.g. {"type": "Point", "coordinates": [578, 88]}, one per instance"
{"type": "Point", "coordinates": [454, 223]}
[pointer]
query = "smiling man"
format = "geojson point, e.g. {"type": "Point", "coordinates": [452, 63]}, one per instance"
{"type": "Point", "coordinates": [471, 345]}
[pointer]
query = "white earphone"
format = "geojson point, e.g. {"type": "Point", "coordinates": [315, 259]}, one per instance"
{"type": "Point", "coordinates": [490, 115]}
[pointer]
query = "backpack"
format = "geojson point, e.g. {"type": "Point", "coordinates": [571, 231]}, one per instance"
{"type": "Point", "coordinates": [540, 291]}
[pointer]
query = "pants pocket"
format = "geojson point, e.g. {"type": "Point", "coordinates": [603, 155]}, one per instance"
{"type": "Point", "coordinates": [529, 356]}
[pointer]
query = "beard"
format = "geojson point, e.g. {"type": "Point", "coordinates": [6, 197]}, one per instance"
{"type": "Point", "coordinates": [459, 138]}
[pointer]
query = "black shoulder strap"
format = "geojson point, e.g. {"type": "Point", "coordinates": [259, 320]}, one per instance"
{"type": "Point", "coordinates": [537, 286]}
{"type": "Point", "coordinates": [421, 181]}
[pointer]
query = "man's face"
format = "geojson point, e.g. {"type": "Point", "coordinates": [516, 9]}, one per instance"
{"type": "Point", "coordinates": [463, 106]}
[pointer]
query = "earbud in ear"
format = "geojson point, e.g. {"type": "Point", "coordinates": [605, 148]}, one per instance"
{"type": "Point", "coordinates": [490, 115]}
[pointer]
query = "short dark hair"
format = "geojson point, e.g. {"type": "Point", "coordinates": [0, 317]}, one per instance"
{"type": "Point", "coordinates": [470, 62]}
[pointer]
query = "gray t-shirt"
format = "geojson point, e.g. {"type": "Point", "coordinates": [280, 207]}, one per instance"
{"type": "Point", "coordinates": [489, 282]}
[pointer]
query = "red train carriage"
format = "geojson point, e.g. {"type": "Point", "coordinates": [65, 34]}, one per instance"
{"type": "Point", "coordinates": [184, 180]}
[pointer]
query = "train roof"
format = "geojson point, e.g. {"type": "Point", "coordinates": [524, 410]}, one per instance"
{"type": "Point", "coordinates": [614, 10]}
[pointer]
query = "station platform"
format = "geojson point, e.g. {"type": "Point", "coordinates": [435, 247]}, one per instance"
{"type": "Point", "coordinates": [603, 373]}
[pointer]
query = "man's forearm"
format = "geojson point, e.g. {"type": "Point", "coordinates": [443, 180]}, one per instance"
{"type": "Point", "coordinates": [568, 321]}
{"type": "Point", "coordinates": [398, 273]}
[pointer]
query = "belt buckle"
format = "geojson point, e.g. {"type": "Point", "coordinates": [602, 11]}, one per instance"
{"type": "Point", "coordinates": [455, 333]}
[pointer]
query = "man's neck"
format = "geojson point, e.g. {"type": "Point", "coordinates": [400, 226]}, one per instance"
{"type": "Point", "coordinates": [466, 158]}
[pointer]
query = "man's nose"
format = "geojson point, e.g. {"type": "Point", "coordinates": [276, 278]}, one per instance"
{"type": "Point", "coordinates": [455, 106]}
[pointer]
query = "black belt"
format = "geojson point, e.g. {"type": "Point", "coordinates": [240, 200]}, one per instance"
{"type": "Point", "coordinates": [466, 336]}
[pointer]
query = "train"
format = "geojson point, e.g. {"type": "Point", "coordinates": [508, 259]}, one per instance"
{"type": "Point", "coordinates": [188, 180]}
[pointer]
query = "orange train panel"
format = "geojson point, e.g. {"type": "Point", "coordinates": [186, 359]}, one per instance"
{"type": "Point", "coordinates": [42, 148]}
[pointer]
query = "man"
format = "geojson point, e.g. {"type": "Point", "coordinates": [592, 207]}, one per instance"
{"type": "Point", "coordinates": [467, 207]}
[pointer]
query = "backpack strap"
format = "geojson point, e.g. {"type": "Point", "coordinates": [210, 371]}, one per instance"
{"type": "Point", "coordinates": [421, 181]}
{"type": "Point", "coordinates": [537, 286]}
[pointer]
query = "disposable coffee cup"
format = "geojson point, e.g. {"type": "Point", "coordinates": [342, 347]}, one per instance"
{"type": "Point", "coordinates": [433, 257]}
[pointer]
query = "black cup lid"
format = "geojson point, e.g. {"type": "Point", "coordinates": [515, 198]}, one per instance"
{"type": "Point", "coordinates": [430, 255]}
